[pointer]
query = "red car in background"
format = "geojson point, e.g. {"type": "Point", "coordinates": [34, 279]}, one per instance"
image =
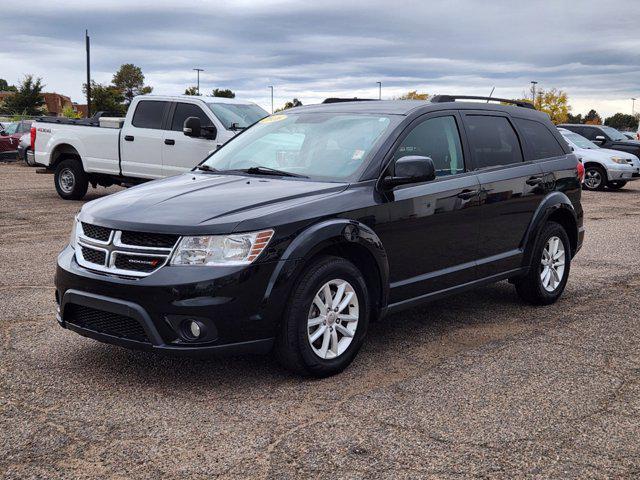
{"type": "Point", "coordinates": [10, 137]}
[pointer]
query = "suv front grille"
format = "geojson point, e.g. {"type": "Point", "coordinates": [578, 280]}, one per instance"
{"type": "Point", "coordinates": [96, 232]}
{"type": "Point", "coordinates": [123, 253]}
{"type": "Point", "coordinates": [105, 322]}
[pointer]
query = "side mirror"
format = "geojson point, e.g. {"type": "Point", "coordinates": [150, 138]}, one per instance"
{"type": "Point", "coordinates": [411, 169]}
{"type": "Point", "coordinates": [191, 127]}
{"type": "Point", "coordinates": [209, 132]}
{"type": "Point", "coordinates": [600, 139]}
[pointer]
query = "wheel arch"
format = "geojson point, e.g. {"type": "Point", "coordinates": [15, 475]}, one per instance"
{"type": "Point", "coordinates": [63, 151]}
{"type": "Point", "coordinates": [343, 238]}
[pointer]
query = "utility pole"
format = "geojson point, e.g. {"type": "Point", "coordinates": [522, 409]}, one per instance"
{"type": "Point", "coordinates": [88, 47]}
{"type": "Point", "coordinates": [198, 70]}
{"type": "Point", "coordinates": [533, 91]}
{"type": "Point", "coordinates": [379, 90]}
{"type": "Point", "coordinates": [633, 106]}
{"type": "Point", "coordinates": [271, 87]}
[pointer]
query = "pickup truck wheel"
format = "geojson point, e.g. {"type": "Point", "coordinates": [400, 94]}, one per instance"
{"type": "Point", "coordinates": [595, 178]}
{"type": "Point", "coordinates": [549, 271]}
{"type": "Point", "coordinates": [326, 320]}
{"type": "Point", "coordinates": [616, 184]}
{"type": "Point", "coordinates": [71, 180]}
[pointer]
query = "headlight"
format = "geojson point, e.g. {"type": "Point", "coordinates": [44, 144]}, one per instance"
{"type": "Point", "coordinates": [621, 161]}
{"type": "Point", "coordinates": [74, 229]}
{"type": "Point", "coordinates": [235, 249]}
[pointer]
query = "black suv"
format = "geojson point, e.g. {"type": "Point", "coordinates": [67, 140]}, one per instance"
{"type": "Point", "coordinates": [314, 222]}
{"type": "Point", "coordinates": [605, 137]}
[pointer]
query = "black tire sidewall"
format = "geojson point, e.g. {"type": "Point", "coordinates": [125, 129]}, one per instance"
{"type": "Point", "coordinates": [552, 229]}
{"type": "Point", "coordinates": [80, 180]}
{"type": "Point", "coordinates": [326, 269]}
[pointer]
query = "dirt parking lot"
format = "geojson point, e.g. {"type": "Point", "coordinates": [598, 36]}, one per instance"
{"type": "Point", "coordinates": [475, 385]}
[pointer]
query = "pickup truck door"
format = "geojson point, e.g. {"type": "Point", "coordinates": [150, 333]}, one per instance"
{"type": "Point", "coordinates": [181, 153]}
{"type": "Point", "coordinates": [141, 140]}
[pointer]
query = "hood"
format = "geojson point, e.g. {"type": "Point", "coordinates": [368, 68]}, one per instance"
{"type": "Point", "coordinates": [618, 153]}
{"type": "Point", "coordinates": [199, 203]}
{"type": "Point", "coordinates": [602, 154]}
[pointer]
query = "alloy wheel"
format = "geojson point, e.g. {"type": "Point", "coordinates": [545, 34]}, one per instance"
{"type": "Point", "coordinates": [552, 264]}
{"type": "Point", "coordinates": [333, 319]}
{"type": "Point", "coordinates": [593, 179]}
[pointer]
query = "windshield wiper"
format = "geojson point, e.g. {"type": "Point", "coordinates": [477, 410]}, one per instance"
{"type": "Point", "coordinates": [206, 168]}
{"type": "Point", "coordinates": [260, 170]}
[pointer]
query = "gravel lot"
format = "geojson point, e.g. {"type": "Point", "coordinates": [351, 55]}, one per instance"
{"type": "Point", "coordinates": [478, 385]}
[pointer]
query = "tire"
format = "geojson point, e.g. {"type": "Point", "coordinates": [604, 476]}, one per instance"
{"type": "Point", "coordinates": [616, 184]}
{"type": "Point", "coordinates": [295, 349]}
{"type": "Point", "coordinates": [532, 287]}
{"type": "Point", "coordinates": [70, 179]}
{"type": "Point", "coordinates": [595, 178]}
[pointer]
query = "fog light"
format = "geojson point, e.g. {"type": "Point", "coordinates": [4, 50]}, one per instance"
{"type": "Point", "coordinates": [194, 329]}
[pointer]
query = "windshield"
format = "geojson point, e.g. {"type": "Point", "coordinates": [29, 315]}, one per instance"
{"type": "Point", "coordinates": [614, 134]}
{"type": "Point", "coordinates": [10, 128]}
{"type": "Point", "coordinates": [321, 145]}
{"type": "Point", "coordinates": [242, 115]}
{"type": "Point", "coordinates": [579, 141]}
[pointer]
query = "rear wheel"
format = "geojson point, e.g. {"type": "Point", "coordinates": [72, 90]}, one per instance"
{"type": "Point", "coordinates": [551, 262]}
{"type": "Point", "coordinates": [595, 178]}
{"type": "Point", "coordinates": [616, 184]}
{"type": "Point", "coordinates": [71, 180]}
{"type": "Point", "coordinates": [326, 320]}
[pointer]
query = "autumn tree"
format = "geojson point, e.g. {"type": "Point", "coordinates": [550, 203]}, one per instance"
{"type": "Point", "coordinates": [413, 95]}
{"type": "Point", "coordinates": [105, 98]}
{"type": "Point", "coordinates": [622, 121]}
{"type": "Point", "coordinates": [592, 118]}
{"type": "Point", "coordinates": [28, 98]}
{"type": "Point", "coordinates": [555, 103]}
{"type": "Point", "coordinates": [130, 81]}
{"type": "Point", "coordinates": [291, 104]}
{"type": "Point", "coordinates": [226, 93]}
{"type": "Point", "coordinates": [191, 91]}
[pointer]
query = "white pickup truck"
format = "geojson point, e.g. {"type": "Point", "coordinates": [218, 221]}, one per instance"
{"type": "Point", "coordinates": [159, 137]}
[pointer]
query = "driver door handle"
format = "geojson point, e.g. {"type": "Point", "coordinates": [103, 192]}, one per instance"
{"type": "Point", "coordinates": [467, 194]}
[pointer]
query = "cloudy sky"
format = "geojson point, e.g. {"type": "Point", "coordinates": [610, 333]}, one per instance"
{"type": "Point", "coordinates": [315, 49]}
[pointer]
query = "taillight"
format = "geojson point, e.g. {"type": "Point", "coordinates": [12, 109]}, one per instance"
{"type": "Point", "coordinates": [33, 139]}
{"type": "Point", "coordinates": [580, 170]}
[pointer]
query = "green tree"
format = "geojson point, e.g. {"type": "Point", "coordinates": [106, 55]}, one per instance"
{"type": "Point", "coordinates": [592, 118]}
{"type": "Point", "coordinates": [226, 93]}
{"type": "Point", "coordinates": [291, 104]}
{"type": "Point", "coordinates": [28, 99]}
{"type": "Point", "coordinates": [413, 95]}
{"type": "Point", "coordinates": [191, 91]}
{"type": "Point", "coordinates": [622, 121]}
{"type": "Point", "coordinates": [105, 98]}
{"type": "Point", "coordinates": [69, 112]}
{"type": "Point", "coordinates": [575, 118]}
{"type": "Point", "coordinates": [5, 87]}
{"type": "Point", "coordinates": [130, 81]}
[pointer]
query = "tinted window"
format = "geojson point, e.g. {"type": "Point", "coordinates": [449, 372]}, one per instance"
{"type": "Point", "coordinates": [439, 139]}
{"type": "Point", "coordinates": [541, 142]}
{"type": "Point", "coordinates": [493, 141]}
{"type": "Point", "coordinates": [148, 114]}
{"type": "Point", "coordinates": [186, 110]}
{"type": "Point", "coordinates": [590, 133]}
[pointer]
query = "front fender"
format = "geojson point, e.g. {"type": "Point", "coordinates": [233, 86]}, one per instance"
{"type": "Point", "coordinates": [323, 235]}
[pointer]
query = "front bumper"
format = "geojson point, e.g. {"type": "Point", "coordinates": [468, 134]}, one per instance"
{"type": "Point", "coordinates": [239, 307]}
{"type": "Point", "coordinates": [624, 173]}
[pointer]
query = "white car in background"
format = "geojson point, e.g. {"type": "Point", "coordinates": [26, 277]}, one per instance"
{"type": "Point", "coordinates": [603, 167]}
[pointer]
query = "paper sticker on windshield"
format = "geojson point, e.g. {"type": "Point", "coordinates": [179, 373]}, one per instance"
{"type": "Point", "coordinates": [273, 118]}
{"type": "Point", "coordinates": [357, 155]}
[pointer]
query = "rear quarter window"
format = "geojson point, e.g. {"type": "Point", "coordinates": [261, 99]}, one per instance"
{"type": "Point", "coordinates": [539, 140]}
{"type": "Point", "coordinates": [493, 141]}
{"type": "Point", "coordinates": [149, 114]}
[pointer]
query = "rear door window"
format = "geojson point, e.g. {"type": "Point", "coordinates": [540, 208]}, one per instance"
{"type": "Point", "coordinates": [493, 141]}
{"type": "Point", "coordinates": [149, 114]}
{"type": "Point", "coordinates": [186, 110]}
{"type": "Point", "coordinates": [540, 141]}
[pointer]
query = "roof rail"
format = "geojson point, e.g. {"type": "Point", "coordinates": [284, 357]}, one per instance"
{"type": "Point", "coordinates": [453, 98]}
{"type": "Point", "coordinates": [341, 100]}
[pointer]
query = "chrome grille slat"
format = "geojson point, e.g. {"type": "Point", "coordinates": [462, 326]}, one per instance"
{"type": "Point", "coordinates": [116, 257]}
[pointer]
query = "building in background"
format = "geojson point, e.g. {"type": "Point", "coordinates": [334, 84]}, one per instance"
{"type": "Point", "coordinates": [55, 103]}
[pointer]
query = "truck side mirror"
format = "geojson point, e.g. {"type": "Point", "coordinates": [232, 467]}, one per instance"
{"type": "Point", "coordinates": [600, 139]}
{"type": "Point", "coordinates": [191, 127]}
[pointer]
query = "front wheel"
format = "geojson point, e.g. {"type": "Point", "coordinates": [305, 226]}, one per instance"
{"type": "Point", "coordinates": [551, 262]}
{"type": "Point", "coordinates": [326, 320]}
{"type": "Point", "coordinates": [595, 178]}
{"type": "Point", "coordinates": [71, 180]}
{"type": "Point", "coordinates": [616, 184]}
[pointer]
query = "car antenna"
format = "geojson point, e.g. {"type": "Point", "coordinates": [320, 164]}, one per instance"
{"type": "Point", "coordinates": [491, 94]}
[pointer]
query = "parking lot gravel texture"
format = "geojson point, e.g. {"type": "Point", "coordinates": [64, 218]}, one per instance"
{"type": "Point", "coordinates": [476, 385]}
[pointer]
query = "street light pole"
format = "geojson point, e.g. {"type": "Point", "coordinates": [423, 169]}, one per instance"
{"type": "Point", "coordinates": [271, 87]}
{"type": "Point", "coordinates": [633, 106]}
{"type": "Point", "coordinates": [198, 70]}
{"type": "Point", "coordinates": [533, 91]}
{"type": "Point", "coordinates": [88, 47]}
{"type": "Point", "coordinates": [379, 90]}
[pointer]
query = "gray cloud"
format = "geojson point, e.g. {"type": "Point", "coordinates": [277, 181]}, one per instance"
{"type": "Point", "coordinates": [316, 49]}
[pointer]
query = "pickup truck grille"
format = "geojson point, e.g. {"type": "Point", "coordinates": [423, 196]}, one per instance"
{"type": "Point", "coordinates": [122, 253]}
